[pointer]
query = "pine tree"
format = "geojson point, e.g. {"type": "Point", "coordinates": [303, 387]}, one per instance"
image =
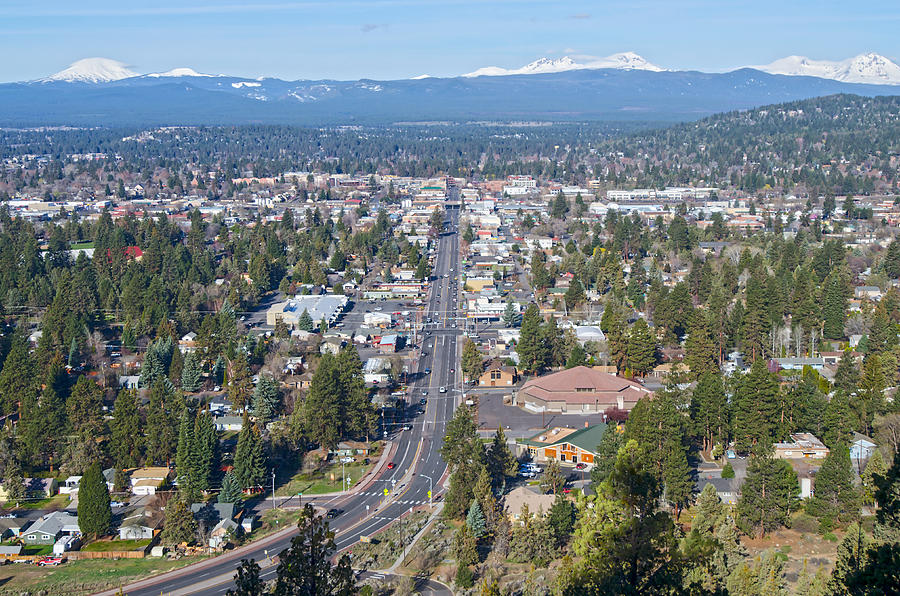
{"type": "Point", "coordinates": [249, 463]}
{"type": "Point", "coordinates": [322, 412]}
{"type": "Point", "coordinates": [472, 365]}
{"type": "Point", "coordinates": [231, 489]}
{"type": "Point", "coordinates": [837, 420]}
{"type": "Point", "coordinates": [577, 357]}
{"type": "Point", "coordinates": [677, 477]}
{"type": "Point", "coordinates": [700, 351]}
{"type": "Point", "coordinates": [191, 373]}
{"type": "Point", "coordinates": [529, 345]}
{"type": "Point", "coordinates": [755, 408]}
{"type": "Point", "coordinates": [475, 520]}
{"type": "Point", "coordinates": [835, 496]}
{"type": "Point", "coordinates": [501, 463]}
{"type": "Point", "coordinates": [607, 450]}
{"type": "Point", "coordinates": [875, 468]}
{"type": "Point", "coordinates": [553, 479]}
{"type": "Point", "coordinates": [709, 511]}
{"type": "Point", "coordinates": [511, 314]}
{"type": "Point", "coordinates": [709, 409]}
{"type": "Point", "coordinates": [846, 377]}
{"type": "Point", "coordinates": [179, 524]}
{"type": "Point", "coordinates": [768, 496]}
{"type": "Point", "coordinates": [206, 446]}
{"type": "Point", "coordinates": [127, 437]}
{"type": "Point", "coordinates": [305, 322]}
{"type": "Point", "coordinates": [465, 548]}
{"type": "Point", "coordinates": [561, 519]}
{"type": "Point", "coordinates": [642, 349]}
{"type": "Point", "coordinates": [265, 400]}
{"type": "Point", "coordinates": [186, 459]}
{"type": "Point", "coordinates": [94, 510]}
{"type": "Point", "coordinates": [834, 307]}
{"type": "Point", "coordinates": [240, 386]}
{"type": "Point", "coordinates": [852, 558]}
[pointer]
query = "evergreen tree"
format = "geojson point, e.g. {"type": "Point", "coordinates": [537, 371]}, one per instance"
{"type": "Point", "coordinates": [475, 520]}
{"type": "Point", "coordinates": [709, 409]}
{"type": "Point", "coordinates": [553, 478]}
{"type": "Point", "coordinates": [191, 373]}
{"type": "Point", "coordinates": [834, 307]}
{"type": "Point", "coordinates": [852, 558]}
{"type": "Point", "coordinates": [755, 406]}
{"type": "Point", "coordinates": [127, 436]}
{"type": "Point", "coordinates": [231, 489]}
{"type": "Point", "coordinates": [305, 322]}
{"type": "Point", "coordinates": [322, 416]}
{"type": "Point", "coordinates": [240, 386]}
{"type": "Point", "coordinates": [642, 349]}
{"type": "Point", "coordinates": [835, 496]}
{"type": "Point", "coordinates": [472, 365]}
{"type": "Point", "coordinates": [186, 465]}
{"type": "Point", "coordinates": [561, 519]}
{"type": "Point", "coordinates": [709, 511]}
{"type": "Point", "coordinates": [700, 352]}
{"type": "Point", "coordinates": [529, 345]}
{"type": "Point", "coordinates": [180, 526]}
{"type": "Point", "coordinates": [249, 463]}
{"type": "Point", "coordinates": [265, 400]}
{"type": "Point", "coordinates": [607, 451]}
{"type": "Point", "coordinates": [846, 377]}
{"type": "Point", "coordinates": [511, 314]}
{"type": "Point", "coordinates": [206, 446]}
{"type": "Point", "coordinates": [94, 510]}
{"type": "Point", "coordinates": [465, 547]}
{"type": "Point", "coordinates": [677, 477]}
{"type": "Point", "coordinates": [306, 567]}
{"type": "Point", "coordinates": [837, 420]}
{"type": "Point", "coordinates": [768, 496]}
{"type": "Point", "coordinates": [501, 463]}
{"type": "Point", "coordinates": [576, 357]}
{"type": "Point", "coordinates": [875, 468]}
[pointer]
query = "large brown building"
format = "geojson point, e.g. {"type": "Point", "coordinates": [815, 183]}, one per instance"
{"type": "Point", "coordinates": [579, 390]}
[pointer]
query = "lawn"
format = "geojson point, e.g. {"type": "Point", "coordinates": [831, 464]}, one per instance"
{"type": "Point", "coordinates": [118, 545]}
{"type": "Point", "coordinates": [320, 481]}
{"type": "Point", "coordinates": [55, 502]}
{"type": "Point", "coordinates": [80, 245]}
{"type": "Point", "coordinates": [38, 550]}
{"type": "Point", "coordinates": [83, 577]}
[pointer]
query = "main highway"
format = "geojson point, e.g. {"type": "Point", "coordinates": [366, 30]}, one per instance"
{"type": "Point", "coordinates": [418, 467]}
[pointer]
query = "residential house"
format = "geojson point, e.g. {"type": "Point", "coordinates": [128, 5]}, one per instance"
{"type": "Point", "coordinates": [861, 448]}
{"type": "Point", "coordinates": [565, 445]}
{"type": "Point", "coordinates": [351, 448]}
{"type": "Point", "coordinates": [146, 481]}
{"type": "Point", "coordinates": [70, 485]}
{"type": "Point", "coordinates": [139, 524]}
{"type": "Point", "coordinates": [39, 488]}
{"type": "Point", "coordinates": [521, 497]}
{"type": "Point", "coordinates": [12, 526]}
{"type": "Point", "coordinates": [228, 423]}
{"type": "Point", "coordinates": [801, 446]}
{"type": "Point", "coordinates": [867, 292]}
{"type": "Point", "coordinates": [188, 343]}
{"type": "Point", "coordinates": [51, 527]}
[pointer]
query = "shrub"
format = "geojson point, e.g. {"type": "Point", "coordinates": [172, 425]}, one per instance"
{"type": "Point", "coordinates": [728, 471]}
{"type": "Point", "coordinates": [465, 579]}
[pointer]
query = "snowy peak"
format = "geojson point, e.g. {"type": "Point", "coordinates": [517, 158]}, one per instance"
{"type": "Point", "coordinates": [93, 70]}
{"type": "Point", "coordinates": [623, 61]}
{"type": "Point", "coordinates": [179, 72]}
{"type": "Point", "coordinates": [866, 68]}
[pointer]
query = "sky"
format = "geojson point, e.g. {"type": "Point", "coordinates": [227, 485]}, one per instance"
{"type": "Point", "coordinates": [392, 39]}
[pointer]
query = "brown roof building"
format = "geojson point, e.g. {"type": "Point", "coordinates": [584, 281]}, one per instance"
{"type": "Point", "coordinates": [579, 390]}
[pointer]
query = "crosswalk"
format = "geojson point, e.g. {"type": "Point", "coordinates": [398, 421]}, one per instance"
{"type": "Point", "coordinates": [374, 493]}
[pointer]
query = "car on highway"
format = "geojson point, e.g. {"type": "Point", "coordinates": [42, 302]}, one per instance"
{"type": "Point", "coordinates": [427, 371]}
{"type": "Point", "coordinates": [50, 561]}
{"type": "Point", "coordinates": [333, 513]}
{"type": "Point", "coordinates": [407, 427]}
{"type": "Point", "coordinates": [423, 402]}
{"type": "Point", "coordinates": [452, 370]}
{"type": "Point", "coordinates": [443, 390]}
{"type": "Point", "coordinates": [390, 465]}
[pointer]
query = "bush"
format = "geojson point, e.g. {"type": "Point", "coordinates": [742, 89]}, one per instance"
{"type": "Point", "coordinates": [465, 579]}
{"type": "Point", "coordinates": [728, 471]}
{"type": "Point", "coordinates": [805, 524]}
{"type": "Point", "coordinates": [830, 537]}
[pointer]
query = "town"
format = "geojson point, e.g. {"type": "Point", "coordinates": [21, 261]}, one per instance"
{"type": "Point", "coordinates": [569, 364]}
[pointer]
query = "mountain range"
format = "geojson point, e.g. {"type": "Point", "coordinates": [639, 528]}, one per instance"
{"type": "Point", "coordinates": [99, 91]}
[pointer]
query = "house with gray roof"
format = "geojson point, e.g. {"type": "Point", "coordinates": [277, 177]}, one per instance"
{"type": "Point", "coordinates": [50, 527]}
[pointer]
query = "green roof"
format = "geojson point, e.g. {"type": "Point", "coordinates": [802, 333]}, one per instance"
{"type": "Point", "coordinates": [586, 438]}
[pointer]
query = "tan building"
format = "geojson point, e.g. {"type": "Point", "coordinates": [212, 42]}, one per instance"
{"type": "Point", "coordinates": [579, 390]}
{"type": "Point", "coordinates": [498, 375]}
{"type": "Point", "coordinates": [801, 446]}
{"type": "Point", "coordinates": [520, 498]}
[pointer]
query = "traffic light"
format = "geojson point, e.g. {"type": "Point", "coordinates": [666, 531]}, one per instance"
{"type": "Point", "coordinates": [429, 494]}
{"type": "Point", "coordinates": [385, 492]}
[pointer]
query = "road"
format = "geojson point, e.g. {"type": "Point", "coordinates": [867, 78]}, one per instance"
{"type": "Point", "coordinates": [418, 467]}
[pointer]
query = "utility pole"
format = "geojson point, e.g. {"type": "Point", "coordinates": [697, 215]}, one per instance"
{"type": "Point", "coordinates": [273, 489]}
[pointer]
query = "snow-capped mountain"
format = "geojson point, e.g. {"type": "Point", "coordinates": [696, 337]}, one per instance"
{"type": "Point", "coordinates": [866, 68]}
{"type": "Point", "coordinates": [179, 72]}
{"type": "Point", "coordinates": [93, 70]}
{"type": "Point", "coordinates": [622, 61]}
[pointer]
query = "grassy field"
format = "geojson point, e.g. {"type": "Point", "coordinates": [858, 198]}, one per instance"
{"type": "Point", "coordinates": [120, 545]}
{"type": "Point", "coordinates": [82, 577]}
{"type": "Point", "coordinates": [386, 546]}
{"type": "Point", "coordinates": [320, 481]}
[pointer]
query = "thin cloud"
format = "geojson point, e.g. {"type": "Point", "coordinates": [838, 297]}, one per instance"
{"type": "Point", "coordinates": [369, 27]}
{"type": "Point", "coordinates": [580, 17]}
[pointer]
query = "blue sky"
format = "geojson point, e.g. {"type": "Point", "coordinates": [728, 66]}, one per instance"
{"type": "Point", "coordinates": [385, 39]}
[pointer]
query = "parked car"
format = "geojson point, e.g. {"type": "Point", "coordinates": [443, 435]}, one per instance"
{"type": "Point", "coordinates": [50, 561]}
{"type": "Point", "coordinates": [580, 466]}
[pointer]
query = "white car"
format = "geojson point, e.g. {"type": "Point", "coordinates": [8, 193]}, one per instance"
{"type": "Point", "coordinates": [443, 390]}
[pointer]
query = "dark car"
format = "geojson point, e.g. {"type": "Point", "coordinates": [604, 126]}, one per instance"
{"type": "Point", "coordinates": [390, 465]}
{"type": "Point", "coordinates": [333, 513]}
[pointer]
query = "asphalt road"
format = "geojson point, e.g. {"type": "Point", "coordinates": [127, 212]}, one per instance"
{"type": "Point", "coordinates": [418, 467]}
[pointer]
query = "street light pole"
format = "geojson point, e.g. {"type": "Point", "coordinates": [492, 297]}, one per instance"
{"type": "Point", "coordinates": [430, 487]}
{"type": "Point", "coordinates": [273, 489]}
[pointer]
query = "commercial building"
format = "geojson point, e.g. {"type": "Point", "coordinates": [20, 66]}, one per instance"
{"type": "Point", "coordinates": [566, 445]}
{"type": "Point", "coordinates": [579, 390]}
{"type": "Point", "coordinates": [327, 307]}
